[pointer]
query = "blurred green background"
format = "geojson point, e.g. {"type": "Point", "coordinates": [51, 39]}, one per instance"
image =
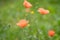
{"type": "Point", "coordinates": [11, 11]}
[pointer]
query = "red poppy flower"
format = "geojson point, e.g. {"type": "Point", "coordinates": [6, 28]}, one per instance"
{"type": "Point", "coordinates": [51, 33]}
{"type": "Point", "coordinates": [22, 23]}
{"type": "Point", "coordinates": [43, 11]}
{"type": "Point", "coordinates": [27, 4]}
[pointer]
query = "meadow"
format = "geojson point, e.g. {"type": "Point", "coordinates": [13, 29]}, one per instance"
{"type": "Point", "coordinates": [11, 11]}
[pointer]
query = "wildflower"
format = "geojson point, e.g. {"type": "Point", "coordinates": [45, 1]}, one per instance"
{"type": "Point", "coordinates": [22, 23]}
{"type": "Point", "coordinates": [43, 11]}
{"type": "Point", "coordinates": [27, 4]}
{"type": "Point", "coordinates": [51, 33]}
{"type": "Point", "coordinates": [32, 12]}
{"type": "Point", "coordinates": [28, 25]}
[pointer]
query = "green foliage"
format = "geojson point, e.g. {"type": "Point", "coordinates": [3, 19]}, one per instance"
{"type": "Point", "coordinates": [11, 11]}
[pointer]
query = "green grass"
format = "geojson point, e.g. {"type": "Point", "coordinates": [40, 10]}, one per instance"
{"type": "Point", "coordinates": [13, 11]}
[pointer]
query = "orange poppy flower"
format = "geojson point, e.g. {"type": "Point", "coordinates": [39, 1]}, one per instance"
{"type": "Point", "coordinates": [22, 23]}
{"type": "Point", "coordinates": [43, 11]}
{"type": "Point", "coordinates": [27, 4]}
{"type": "Point", "coordinates": [51, 33]}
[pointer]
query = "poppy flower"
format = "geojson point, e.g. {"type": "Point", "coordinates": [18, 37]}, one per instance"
{"type": "Point", "coordinates": [27, 4]}
{"type": "Point", "coordinates": [22, 23]}
{"type": "Point", "coordinates": [43, 11]}
{"type": "Point", "coordinates": [51, 33]}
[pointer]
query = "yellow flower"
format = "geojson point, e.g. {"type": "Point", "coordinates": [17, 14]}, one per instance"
{"type": "Point", "coordinates": [32, 12]}
{"type": "Point", "coordinates": [28, 25]}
